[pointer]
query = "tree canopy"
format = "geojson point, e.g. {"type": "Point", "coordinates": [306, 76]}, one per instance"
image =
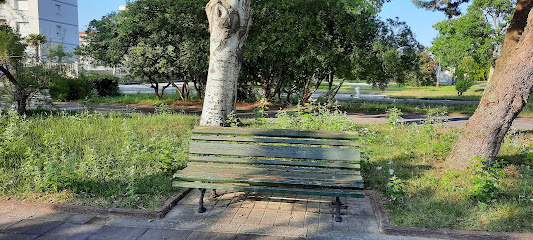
{"type": "Point", "coordinates": [157, 39]}
{"type": "Point", "coordinates": [293, 46]}
{"type": "Point", "coordinates": [465, 44]}
{"type": "Point", "coordinates": [471, 43]}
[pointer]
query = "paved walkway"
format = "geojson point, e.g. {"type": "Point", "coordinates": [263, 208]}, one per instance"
{"type": "Point", "coordinates": [229, 216]}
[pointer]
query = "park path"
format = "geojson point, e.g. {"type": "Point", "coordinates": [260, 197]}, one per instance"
{"type": "Point", "coordinates": [232, 216]}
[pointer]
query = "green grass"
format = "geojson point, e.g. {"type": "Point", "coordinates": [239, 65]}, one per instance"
{"type": "Point", "coordinates": [369, 106]}
{"type": "Point", "coordinates": [414, 92]}
{"type": "Point", "coordinates": [137, 98]}
{"type": "Point", "coordinates": [435, 197]}
{"type": "Point", "coordinates": [430, 92]}
{"type": "Point", "coordinates": [404, 163]}
{"type": "Point", "coordinates": [106, 160]}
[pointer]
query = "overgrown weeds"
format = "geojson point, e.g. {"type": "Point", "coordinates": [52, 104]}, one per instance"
{"type": "Point", "coordinates": [405, 163]}
{"type": "Point", "coordinates": [107, 160]}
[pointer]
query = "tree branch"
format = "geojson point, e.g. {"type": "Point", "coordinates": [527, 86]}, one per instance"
{"type": "Point", "coordinates": [10, 76]}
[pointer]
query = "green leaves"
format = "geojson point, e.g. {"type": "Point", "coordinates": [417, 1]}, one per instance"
{"type": "Point", "coordinates": [11, 45]}
{"type": "Point", "coordinates": [160, 39]}
{"type": "Point", "coordinates": [472, 42]}
{"type": "Point", "coordinates": [395, 54]}
{"type": "Point", "coordinates": [293, 45]}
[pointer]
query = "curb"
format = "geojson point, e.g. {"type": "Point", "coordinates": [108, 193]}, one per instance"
{"type": "Point", "coordinates": [62, 208]}
{"type": "Point", "coordinates": [387, 228]}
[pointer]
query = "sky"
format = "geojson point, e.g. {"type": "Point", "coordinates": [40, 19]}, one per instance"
{"type": "Point", "coordinates": [420, 20]}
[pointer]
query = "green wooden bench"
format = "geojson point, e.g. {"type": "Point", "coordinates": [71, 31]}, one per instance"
{"type": "Point", "coordinates": [273, 161]}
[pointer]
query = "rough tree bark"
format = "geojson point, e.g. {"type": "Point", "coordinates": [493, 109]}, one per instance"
{"type": "Point", "coordinates": [229, 21]}
{"type": "Point", "coordinates": [505, 96]}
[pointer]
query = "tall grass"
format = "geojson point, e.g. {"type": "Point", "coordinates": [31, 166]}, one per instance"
{"type": "Point", "coordinates": [108, 160]}
{"type": "Point", "coordinates": [499, 198]}
{"type": "Point", "coordinates": [405, 164]}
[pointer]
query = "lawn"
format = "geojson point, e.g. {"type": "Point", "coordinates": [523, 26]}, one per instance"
{"type": "Point", "coordinates": [430, 92]}
{"type": "Point", "coordinates": [424, 92]}
{"type": "Point", "coordinates": [137, 98]}
{"type": "Point", "coordinates": [416, 107]}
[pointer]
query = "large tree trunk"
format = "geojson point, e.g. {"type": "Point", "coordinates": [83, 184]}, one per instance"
{"type": "Point", "coordinates": [229, 21]}
{"type": "Point", "coordinates": [506, 95]}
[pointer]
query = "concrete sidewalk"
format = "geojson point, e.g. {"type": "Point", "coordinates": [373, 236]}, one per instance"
{"type": "Point", "coordinates": [232, 215]}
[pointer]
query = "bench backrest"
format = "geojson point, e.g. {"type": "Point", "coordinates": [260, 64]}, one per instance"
{"type": "Point", "coordinates": [314, 149]}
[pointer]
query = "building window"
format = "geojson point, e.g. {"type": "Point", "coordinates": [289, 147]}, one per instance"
{"type": "Point", "coordinates": [21, 4]}
{"type": "Point", "coordinates": [22, 27]}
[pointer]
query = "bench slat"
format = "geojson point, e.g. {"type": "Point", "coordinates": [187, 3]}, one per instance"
{"type": "Point", "coordinates": [321, 192]}
{"type": "Point", "coordinates": [266, 181]}
{"type": "Point", "coordinates": [273, 140]}
{"type": "Point", "coordinates": [263, 173]}
{"type": "Point", "coordinates": [273, 162]}
{"type": "Point", "coordinates": [275, 133]}
{"type": "Point", "coordinates": [249, 150]}
{"type": "Point", "coordinates": [274, 168]}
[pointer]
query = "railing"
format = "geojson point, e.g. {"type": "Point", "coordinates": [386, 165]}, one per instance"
{"type": "Point", "coordinates": [67, 69]}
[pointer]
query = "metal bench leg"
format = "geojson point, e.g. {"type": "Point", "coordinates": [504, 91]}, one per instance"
{"type": "Point", "coordinates": [215, 195]}
{"type": "Point", "coordinates": [338, 217]}
{"type": "Point", "coordinates": [201, 209]}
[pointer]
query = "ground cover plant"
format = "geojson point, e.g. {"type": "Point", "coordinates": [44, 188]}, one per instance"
{"type": "Point", "coordinates": [404, 163]}
{"type": "Point", "coordinates": [106, 160]}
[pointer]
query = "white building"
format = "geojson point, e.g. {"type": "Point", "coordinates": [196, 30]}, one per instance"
{"type": "Point", "coordinates": [56, 19]}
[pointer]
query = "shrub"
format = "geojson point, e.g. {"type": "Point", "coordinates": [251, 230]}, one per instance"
{"type": "Point", "coordinates": [314, 117]}
{"type": "Point", "coordinates": [69, 89]}
{"type": "Point", "coordinates": [464, 82]}
{"type": "Point", "coordinates": [105, 85]}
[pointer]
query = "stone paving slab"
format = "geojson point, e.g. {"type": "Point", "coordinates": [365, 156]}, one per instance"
{"type": "Point", "coordinates": [142, 223]}
{"type": "Point", "coordinates": [212, 235]}
{"type": "Point", "coordinates": [79, 218]}
{"type": "Point", "coordinates": [31, 226]}
{"type": "Point", "coordinates": [71, 231]}
{"type": "Point", "coordinates": [154, 234]}
{"type": "Point", "coordinates": [15, 236]}
{"type": "Point", "coordinates": [114, 232]}
{"type": "Point", "coordinates": [273, 231]}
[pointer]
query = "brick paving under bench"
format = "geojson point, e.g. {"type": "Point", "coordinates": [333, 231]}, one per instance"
{"type": "Point", "coordinates": [232, 215]}
{"type": "Point", "coordinates": [283, 215]}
